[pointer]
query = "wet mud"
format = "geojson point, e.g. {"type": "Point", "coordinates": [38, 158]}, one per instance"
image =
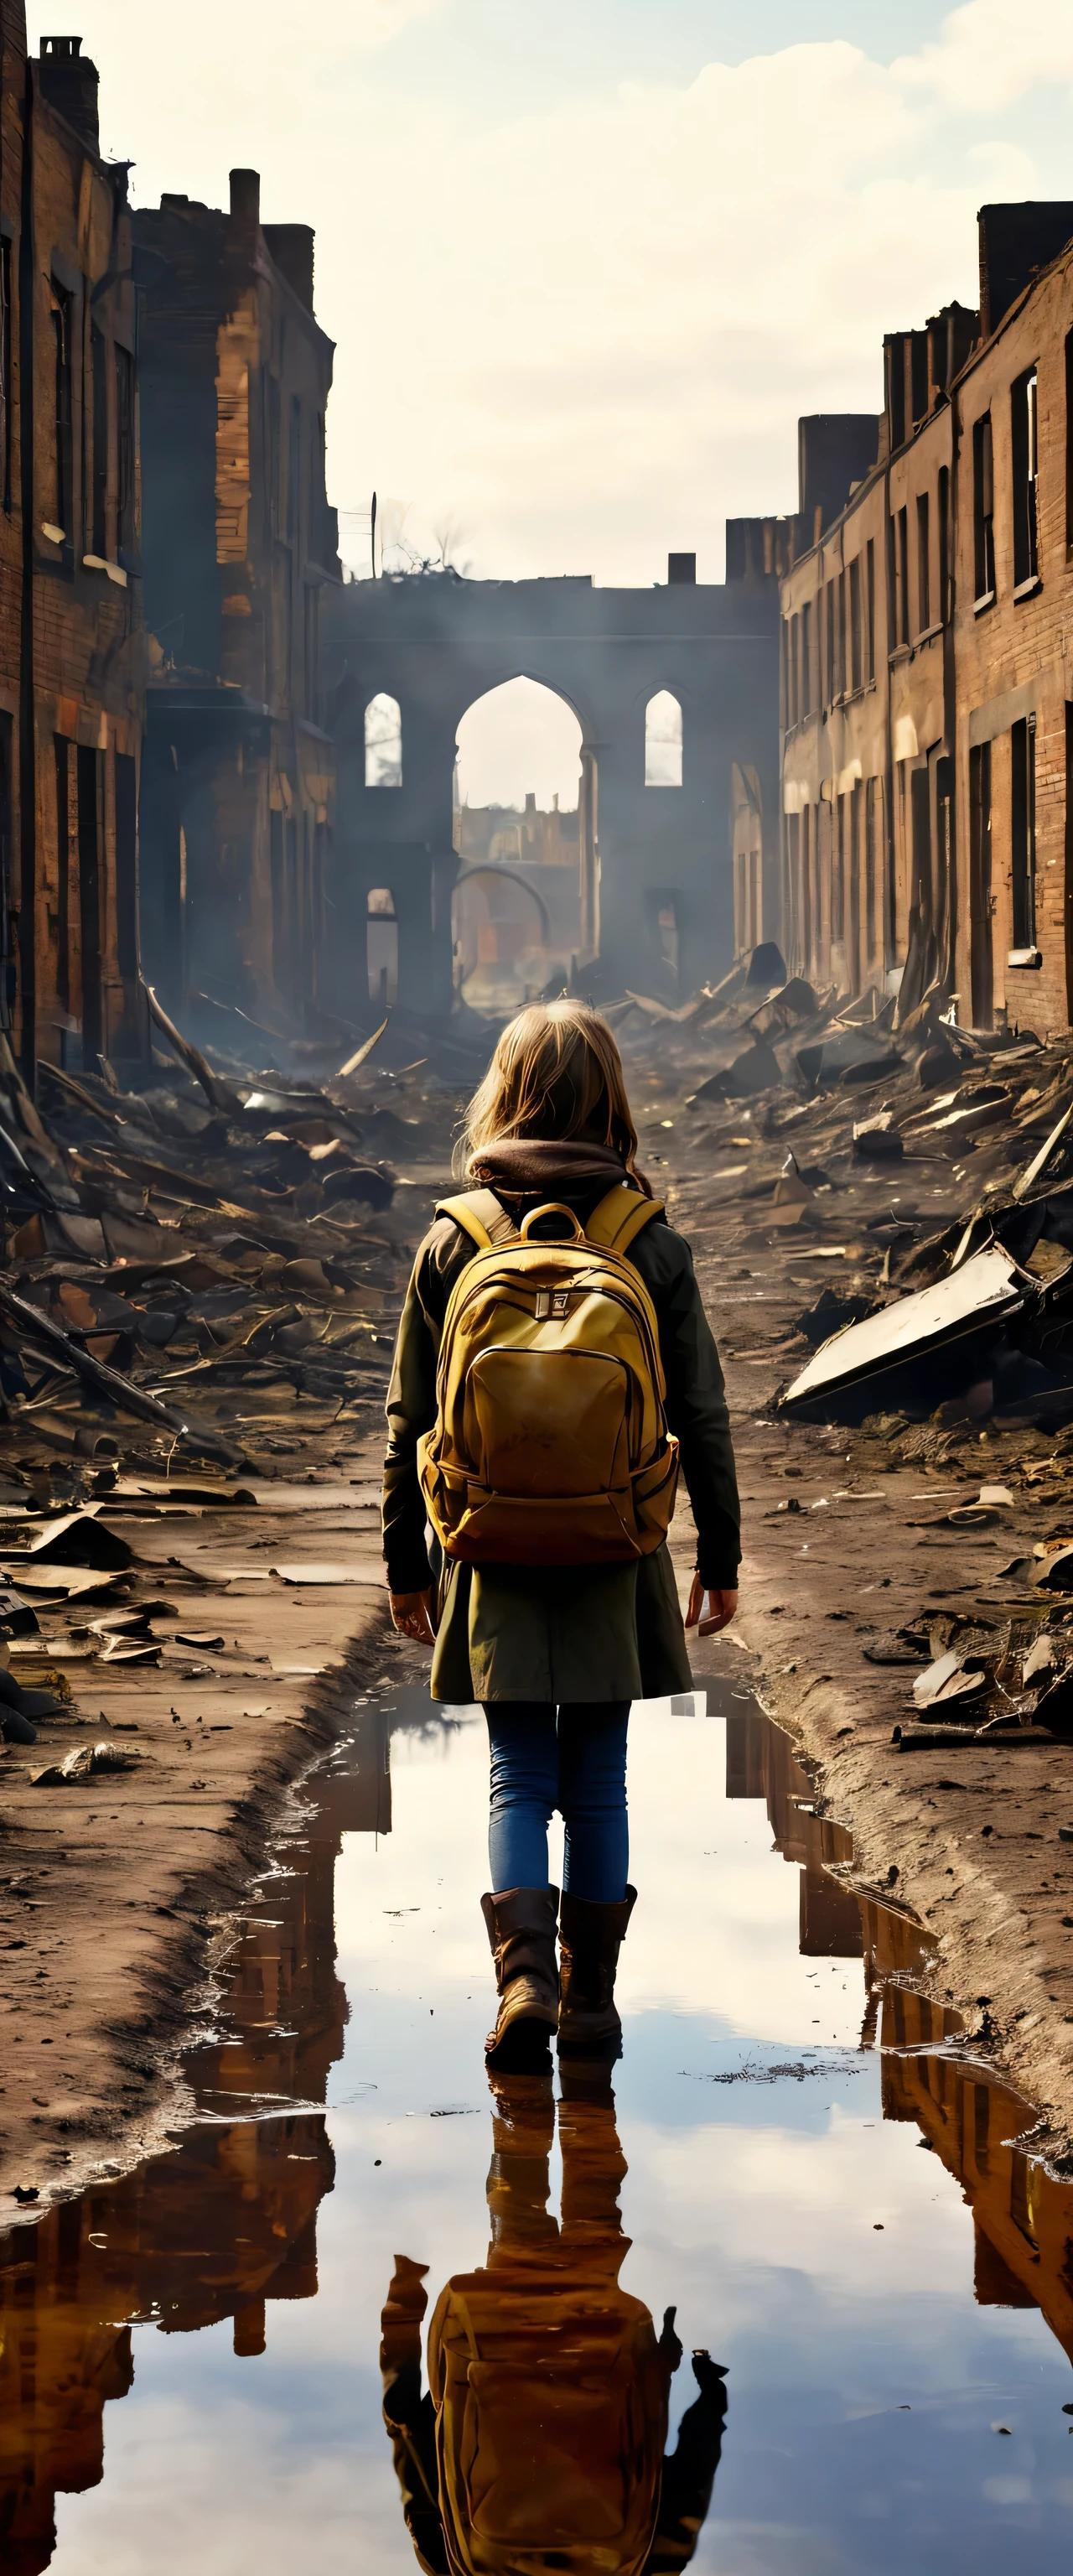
{"type": "Point", "coordinates": [223, 2360]}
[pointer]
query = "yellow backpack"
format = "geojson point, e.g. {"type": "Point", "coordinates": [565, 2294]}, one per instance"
{"type": "Point", "coordinates": [551, 1444]}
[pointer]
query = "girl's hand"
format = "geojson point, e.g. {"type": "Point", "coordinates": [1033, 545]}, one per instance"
{"type": "Point", "coordinates": [412, 1615]}
{"type": "Point", "coordinates": [709, 1611]}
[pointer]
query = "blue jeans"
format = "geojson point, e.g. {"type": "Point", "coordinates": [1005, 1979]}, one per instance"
{"type": "Point", "coordinates": [573, 1759]}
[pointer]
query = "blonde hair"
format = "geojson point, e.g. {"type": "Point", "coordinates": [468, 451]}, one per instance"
{"type": "Point", "coordinates": [556, 1073]}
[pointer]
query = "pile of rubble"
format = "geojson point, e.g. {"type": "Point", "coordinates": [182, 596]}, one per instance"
{"type": "Point", "coordinates": [200, 1280]}
{"type": "Point", "coordinates": [956, 1151]}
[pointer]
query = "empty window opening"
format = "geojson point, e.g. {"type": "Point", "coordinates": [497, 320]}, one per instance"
{"type": "Point", "coordinates": [90, 826]}
{"type": "Point", "coordinates": [65, 981]}
{"type": "Point", "coordinates": [99, 486]}
{"type": "Point", "coordinates": [855, 664]}
{"type": "Point", "coordinates": [829, 623]}
{"type": "Point", "coordinates": [795, 673]}
{"type": "Point", "coordinates": [382, 947]}
{"type": "Point", "coordinates": [663, 741]}
{"type": "Point", "coordinates": [1023, 834]}
{"type": "Point", "coordinates": [923, 563]}
{"type": "Point", "coordinates": [870, 611]}
{"type": "Point", "coordinates": [383, 742]}
{"type": "Point", "coordinates": [1025, 474]}
{"type": "Point", "coordinates": [5, 374]}
{"type": "Point", "coordinates": [1069, 438]}
{"type": "Point", "coordinates": [667, 924]}
{"type": "Point", "coordinates": [806, 659]}
{"type": "Point", "coordinates": [841, 638]}
{"type": "Point", "coordinates": [126, 865]}
{"type": "Point", "coordinates": [920, 816]}
{"type": "Point", "coordinates": [806, 884]}
{"type": "Point", "coordinates": [124, 385]}
{"type": "Point", "coordinates": [61, 333]}
{"type": "Point", "coordinates": [981, 899]}
{"type": "Point", "coordinates": [944, 545]}
{"type": "Point", "coordinates": [902, 575]}
{"type": "Point", "coordinates": [871, 875]}
{"type": "Point", "coordinates": [983, 506]}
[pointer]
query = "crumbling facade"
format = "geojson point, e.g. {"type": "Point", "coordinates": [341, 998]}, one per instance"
{"type": "Point", "coordinates": [71, 633]}
{"type": "Point", "coordinates": [240, 545]}
{"type": "Point", "coordinates": [670, 686]}
{"type": "Point", "coordinates": [926, 728]}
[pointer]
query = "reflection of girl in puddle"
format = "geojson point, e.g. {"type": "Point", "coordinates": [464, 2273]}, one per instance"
{"type": "Point", "coordinates": [540, 2442]}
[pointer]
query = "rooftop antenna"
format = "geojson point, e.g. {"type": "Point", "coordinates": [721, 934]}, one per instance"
{"type": "Point", "coordinates": [374, 536]}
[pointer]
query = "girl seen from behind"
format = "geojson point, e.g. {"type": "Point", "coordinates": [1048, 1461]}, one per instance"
{"type": "Point", "coordinates": [554, 1369]}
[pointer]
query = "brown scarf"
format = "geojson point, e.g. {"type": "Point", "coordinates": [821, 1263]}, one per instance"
{"type": "Point", "coordinates": [522, 1164]}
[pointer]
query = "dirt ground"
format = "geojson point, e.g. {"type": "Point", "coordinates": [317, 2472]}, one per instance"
{"type": "Point", "coordinates": [116, 1893]}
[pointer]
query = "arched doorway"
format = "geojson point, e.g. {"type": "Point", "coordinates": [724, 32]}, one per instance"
{"type": "Point", "coordinates": [524, 827]}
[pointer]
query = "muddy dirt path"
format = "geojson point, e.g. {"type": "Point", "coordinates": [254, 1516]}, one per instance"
{"type": "Point", "coordinates": [793, 2150]}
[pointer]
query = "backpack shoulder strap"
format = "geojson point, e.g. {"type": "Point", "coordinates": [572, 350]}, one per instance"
{"type": "Point", "coordinates": [481, 1216]}
{"type": "Point", "coordinates": [619, 1218]}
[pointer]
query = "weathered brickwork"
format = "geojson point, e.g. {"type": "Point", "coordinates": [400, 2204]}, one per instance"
{"type": "Point", "coordinates": [71, 634]}
{"type": "Point", "coordinates": [240, 542]}
{"type": "Point", "coordinates": [926, 690]}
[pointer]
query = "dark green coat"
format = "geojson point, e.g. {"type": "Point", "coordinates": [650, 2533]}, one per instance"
{"type": "Point", "coordinates": [555, 1633]}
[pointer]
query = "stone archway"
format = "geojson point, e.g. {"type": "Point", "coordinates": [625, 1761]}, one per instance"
{"type": "Point", "coordinates": [654, 844]}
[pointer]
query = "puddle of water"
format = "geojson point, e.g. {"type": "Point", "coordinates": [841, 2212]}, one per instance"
{"type": "Point", "coordinates": [189, 2372]}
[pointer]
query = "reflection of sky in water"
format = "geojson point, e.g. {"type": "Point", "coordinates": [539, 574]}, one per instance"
{"type": "Point", "coordinates": [755, 2207]}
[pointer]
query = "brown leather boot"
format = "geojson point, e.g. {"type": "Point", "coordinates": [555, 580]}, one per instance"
{"type": "Point", "coordinates": [590, 1938]}
{"type": "Point", "coordinates": [521, 1930]}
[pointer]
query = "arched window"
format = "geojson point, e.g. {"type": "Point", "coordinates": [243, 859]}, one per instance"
{"type": "Point", "coordinates": [382, 946]}
{"type": "Point", "coordinates": [663, 741]}
{"type": "Point", "coordinates": [383, 742]}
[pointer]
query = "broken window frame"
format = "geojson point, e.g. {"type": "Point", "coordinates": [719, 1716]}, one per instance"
{"type": "Point", "coordinates": [1023, 838]}
{"type": "Point", "coordinates": [1024, 466]}
{"type": "Point", "coordinates": [983, 510]}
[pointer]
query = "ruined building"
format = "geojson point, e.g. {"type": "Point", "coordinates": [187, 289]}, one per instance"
{"type": "Point", "coordinates": [240, 545]}
{"type": "Point", "coordinates": [71, 638]}
{"type": "Point", "coordinates": [671, 687]}
{"type": "Point", "coordinates": [927, 704]}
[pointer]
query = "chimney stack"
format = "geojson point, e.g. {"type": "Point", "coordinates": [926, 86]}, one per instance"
{"type": "Point", "coordinates": [69, 82]}
{"type": "Point", "coordinates": [246, 199]}
{"type": "Point", "coordinates": [681, 568]}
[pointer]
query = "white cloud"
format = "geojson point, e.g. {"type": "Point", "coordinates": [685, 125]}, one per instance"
{"type": "Point", "coordinates": [586, 333]}
{"type": "Point", "coordinates": [991, 52]}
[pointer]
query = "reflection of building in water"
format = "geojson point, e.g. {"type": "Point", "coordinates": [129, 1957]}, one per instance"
{"type": "Point", "coordinates": [539, 2443]}
{"type": "Point", "coordinates": [222, 2228]}
{"type": "Point", "coordinates": [1022, 2216]}
{"type": "Point", "coordinates": [761, 1764]}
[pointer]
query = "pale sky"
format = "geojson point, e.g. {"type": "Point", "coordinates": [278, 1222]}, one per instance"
{"type": "Point", "coordinates": [585, 261]}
